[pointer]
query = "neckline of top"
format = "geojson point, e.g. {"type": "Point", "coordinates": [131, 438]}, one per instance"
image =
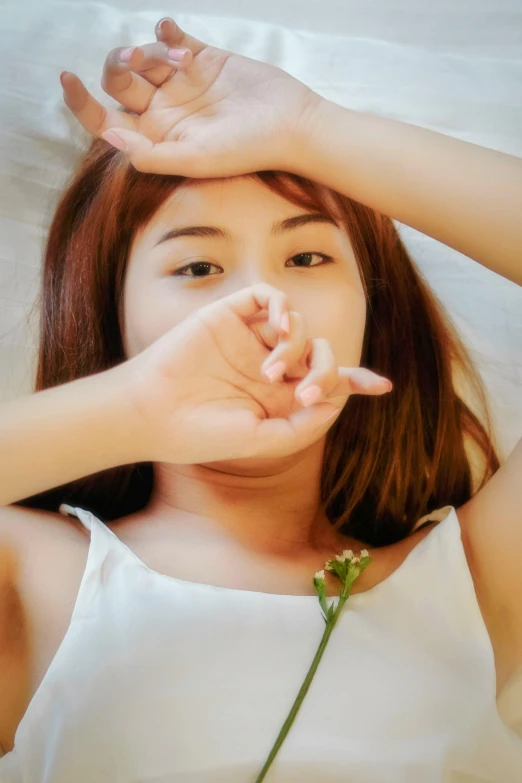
{"type": "Point", "coordinates": [444, 514]}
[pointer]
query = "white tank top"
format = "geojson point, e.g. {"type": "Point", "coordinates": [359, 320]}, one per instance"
{"type": "Point", "coordinates": [160, 680]}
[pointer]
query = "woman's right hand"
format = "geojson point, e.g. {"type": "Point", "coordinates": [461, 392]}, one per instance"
{"type": "Point", "coordinates": [198, 393]}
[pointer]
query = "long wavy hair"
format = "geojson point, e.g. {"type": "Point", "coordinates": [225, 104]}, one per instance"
{"type": "Point", "coordinates": [388, 459]}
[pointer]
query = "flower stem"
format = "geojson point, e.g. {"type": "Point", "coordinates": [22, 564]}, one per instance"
{"type": "Point", "coordinates": [303, 690]}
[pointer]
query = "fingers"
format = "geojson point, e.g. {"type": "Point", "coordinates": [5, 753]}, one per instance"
{"type": "Point", "coordinates": [288, 351]}
{"type": "Point", "coordinates": [131, 74]}
{"type": "Point", "coordinates": [89, 112]}
{"type": "Point", "coordinates": [248, 302]}
{"type": "Point", "coordinates": [281, 437]}
{"type": "Point", "coordinates": [178, 157]}
{"type": "Point", "coordinates": [131, 82]}
{"type": "Point", "coordinates": [171, 34]}
{"type": "Point", "coordinates": [323, 377]}
{"type": "Point", "coordinates": [360, 380]}
{"type": "Point", "coordinates": [325, 380]}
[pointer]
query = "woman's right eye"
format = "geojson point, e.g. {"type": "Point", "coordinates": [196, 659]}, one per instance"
{"type": "Point", "coordinates": [200, 267]}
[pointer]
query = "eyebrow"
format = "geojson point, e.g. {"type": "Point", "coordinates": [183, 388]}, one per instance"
{"type": "Point", "coordinates": [213, 232]}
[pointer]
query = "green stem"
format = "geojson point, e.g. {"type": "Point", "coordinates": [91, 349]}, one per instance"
{"type": "Point", "coordinates": [304, 688]}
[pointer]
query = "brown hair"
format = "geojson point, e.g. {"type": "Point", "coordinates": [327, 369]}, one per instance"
{"type": "Point", "coordinates": [388, 459]}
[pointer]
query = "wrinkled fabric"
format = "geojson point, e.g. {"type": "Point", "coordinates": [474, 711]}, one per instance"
{"type": "Point", "coordinates": [160, 680]}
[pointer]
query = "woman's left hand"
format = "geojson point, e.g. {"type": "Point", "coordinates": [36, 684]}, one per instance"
{"type": "Point", "coordinates": [217, 114]}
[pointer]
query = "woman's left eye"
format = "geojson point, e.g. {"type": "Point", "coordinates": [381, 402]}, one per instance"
{"type": "Point", "coordinates": [199, 268]}
{"type": "Point", "coordinates": [326, 259]}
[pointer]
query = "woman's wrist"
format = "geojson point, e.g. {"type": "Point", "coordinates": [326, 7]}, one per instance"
{"type": "Point", "coordinates": [459, 193]}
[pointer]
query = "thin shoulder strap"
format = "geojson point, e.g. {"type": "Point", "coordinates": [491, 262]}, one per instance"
{"type": "Point", "coordinates": [425, 524]}
{"type": "Point", "coordinates": [72, 511]}
{"type": "Point", "coordinates": [438, 515]}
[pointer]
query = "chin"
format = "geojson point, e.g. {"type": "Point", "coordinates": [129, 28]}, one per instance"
{"type": "Point", "coordinates": [260, 466]}
{"type": "Point", "coordinates": [255, 466]}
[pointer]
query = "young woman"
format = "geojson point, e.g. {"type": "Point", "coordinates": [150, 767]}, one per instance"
{"type": "Point", "coordinates": [166, 504]}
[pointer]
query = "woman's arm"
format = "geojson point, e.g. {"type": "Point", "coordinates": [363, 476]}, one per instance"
{"type": "Point", "coordinates": [469, 198]}
{"type": "Point", "coordinates": [466, 196]}
{"type": "Point", "coordinates": [61, 434]}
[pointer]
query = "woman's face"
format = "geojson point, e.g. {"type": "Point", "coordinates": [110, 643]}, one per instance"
{"type": "Point", "coordinates": [167, 279]}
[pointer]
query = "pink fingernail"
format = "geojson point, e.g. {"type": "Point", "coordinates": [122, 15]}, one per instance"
{"type": "Point", "coordinates": [126, 54]}
{"type": "Point", "coordinates": [367, 379]}
{"type": "Point", "coordinates": [275, 370]}
{"type": "Point", "coordinates": [310, 395]}
{"type": "Point", "coordinates": [385, 381]}
{"type": "Point", "coordinates": [176, 54]}
{"type": "Point", "coordinates": [285, 323]}
{"type": "Point", "coordinates": [115, 140]}
{"type": "Point", "coordinates": [163, 24]}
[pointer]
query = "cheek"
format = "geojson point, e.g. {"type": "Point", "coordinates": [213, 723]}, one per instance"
{"type": "Point", "coordinates": [149, 312]}
{"type": "Point", "coordinates": [341, 320]}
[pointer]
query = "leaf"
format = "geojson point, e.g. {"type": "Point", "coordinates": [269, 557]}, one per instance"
{"type": "Point", "coordinates": [322, 601]}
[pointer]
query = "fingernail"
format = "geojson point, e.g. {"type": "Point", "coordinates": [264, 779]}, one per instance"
{"type": "Point", "coordinates": [176, 55]}
{"type": "Point", "coordinates": [163, 24]}
{"type": "Point", "coordinates": [275, 370]}
{"type": "Point", "coordinates": [113, 139]}
{"type": "Point", "coordinates": [373, 383]}
{"type": "Point", "coordinates": [310, 395]}
{"type": "Point", "coordinates": [126, 54]}
{"type": "Point", "coordinates": [367, 379]}
{"type": "Point", "coordinates": [63, 73]}
{"type": "Point", "coordinates": [285, 323]}
{"type": "Point", "coordinates": [385, 381]}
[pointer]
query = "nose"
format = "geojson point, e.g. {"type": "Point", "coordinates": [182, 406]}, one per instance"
{"type": "Point", "coordinates": [254, 276]}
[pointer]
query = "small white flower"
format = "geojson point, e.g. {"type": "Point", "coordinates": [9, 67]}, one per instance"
{"type": "Point", "coordinates": [355, 560]}
{"type": "Point", "coordinates": [364, 553]}
{"type": "Point", "coordinates": [330, 614]}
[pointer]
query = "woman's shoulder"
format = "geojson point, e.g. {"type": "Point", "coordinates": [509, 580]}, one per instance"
{"type": "Point", "coordinates": [42, 558]}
